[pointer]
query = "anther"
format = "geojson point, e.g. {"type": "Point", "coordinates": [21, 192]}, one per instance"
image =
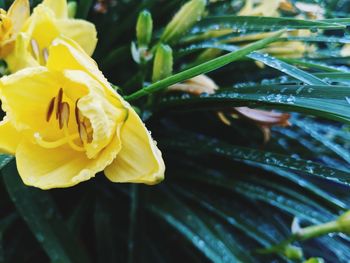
{"type": "Point", "coordinates": [77, 113]}
{"type": "Point", "coordinates": [50, 109]}
{"type": "Point", "coordinates": [64, 114]}
{"type": "Point", "coordinates": [45, 54]}
{"type": "Point", "coordinates": [87, 125]}
{"type": "Point", "coordinates": [82, 132]}
{"type": "Point", "coordinates": [59, 102]}
{"type": "Point", "coordinates": [35, 48]}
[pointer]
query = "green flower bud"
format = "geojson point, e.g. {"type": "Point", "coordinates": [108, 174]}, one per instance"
{"type": "Point", "coordinates": [314, 260]}
{"type": "Point", "coordinates": [343, 223]}
{"type": "Point", "coordinates": [163, 63]}
{"type": "Point", "coordinates": [293, 252]}
{"type": "Point", "coordinates": [144, 28]}
{"type": "Point", "coordinates": [184, 19]}
{"type": "Point", "coordinates": [72, 9]}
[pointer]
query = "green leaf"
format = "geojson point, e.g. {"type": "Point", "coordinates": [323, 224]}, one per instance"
{"type": "Point", "coordinates": [4, 160]}
{"type": "Point", "coordinates": [104, 224]}
{"type": "Point", "coordinates": [84, 8]}
{"type": "Point", "coordinates": [239, 221]}
{"type": "Point", "coordinates": [42, 217]}
{"type": "Point", "coordinates": [260, 23]}
{"type": "Point", "coordinates": [270, 61]}
{"type": "Point", "coordinates": [134, 195]}
{"type": "Point", "coordinates": [192, 227]}
{"type": "Point", "coordinates": [267, 195]}
{"type": "Point", "coordinates": [192, 144]}
{"type": "Point", "coordinates": [314, 65]}
{"type": "Point", "coordinates": [203, 68]}
{"type": "Point", "coordinates": [325, 101]}
{"type": "Point", "coordinates": [307, 186]}
{"type": "Point", "coordinates": [310, 128]}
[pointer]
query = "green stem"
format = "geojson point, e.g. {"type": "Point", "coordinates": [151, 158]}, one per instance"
{"type": "Point", "coordinates": [303, 234]}
{"type": "Point", "coordinates": [204, 67]}
{"type": "Point", "coordinates": [318, 230]}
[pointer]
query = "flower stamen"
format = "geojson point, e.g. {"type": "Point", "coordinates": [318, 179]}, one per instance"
{"type": "Point", "coordinates": [64, 114]}
{"type": "Point", "coordinates": [50, 109]}
{"type": "Point", "coordinates": [88, 128]}
{"type": "Point", "coordinates": [35, 48]}
{"type": "Point", "coordinates": [45, 55]}
{"type": "Point", "coordinates": [59, 101]}
{"type": "Point", "coordinates": [83, 134]}
{"type": "Point", "coordinates": [78, 116]}
{"type": "Point", "coordinates": [83, 124]}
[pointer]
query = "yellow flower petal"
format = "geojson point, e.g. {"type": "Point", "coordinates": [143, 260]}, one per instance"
{"type": "Point", "coordinates": [60, 167]}
{"type": "Point", "coordinates": [19, 13]}
{"type": "Point", "coordinates": [25, 100]}
{"type": "Point", "coordinates": [20, 57]}
{"type": "Point", "coordinates": [247, 8]}
{"type": "Point", "coordinates": [264, 8]}
{"type": "Point", "coordinates": [59, 7]}
{"type": "Point", "coordinates": [139, 160]}
{"type": "Point", "coordinates": [41, 29]}
{"type": "Point", "coordinates": [9, 137]}
{"type": "Point", "coordinates": [345, 51]}
{"type": "Point", "coordinates": [105, 113]}
{"type": "Point", "coordinates": [81, 31]}
{"type": "Point", "coordinates": [67, 54]}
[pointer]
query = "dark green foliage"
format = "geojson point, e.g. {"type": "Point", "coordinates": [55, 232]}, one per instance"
{"type": "Point", "coordinates": [226, 194]}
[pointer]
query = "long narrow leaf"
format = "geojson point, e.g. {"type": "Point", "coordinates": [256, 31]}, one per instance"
{"type": "Point", "coordinates": [203, 68]}
{"type": "Point", "coordinates": [41, 215]}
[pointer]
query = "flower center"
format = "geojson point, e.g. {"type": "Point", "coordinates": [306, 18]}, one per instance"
{"type": "Point", "coordinates": [40, 54]}
{"type": "Point", "coordinates": [61, 110]}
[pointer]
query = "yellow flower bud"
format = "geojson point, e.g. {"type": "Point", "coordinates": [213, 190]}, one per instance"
{"type": "Point", "coordinates": [144, 28]}
{"type": "Point", "coordinates": [184, 19]}
{"type": "Point", "coordinates": [163, 63]}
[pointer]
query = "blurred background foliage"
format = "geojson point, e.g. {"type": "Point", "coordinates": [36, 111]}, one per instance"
{"type": "Point", "coordinates": [230, 189]}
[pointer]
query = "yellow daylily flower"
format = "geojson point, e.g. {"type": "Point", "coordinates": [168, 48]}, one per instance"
{"type": "Point", "coordinates": [48, 21]}
{"type": "Point", "coordinates": [264, 8]}
{"type": "Point", "coordinates": [269, 8]}
{"type": "Point", "coordinates": [11, 23]}
{"type": "Point", "coordinates": [272, 8]}
{"type": "Point", "coordinates": [65, 123]}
